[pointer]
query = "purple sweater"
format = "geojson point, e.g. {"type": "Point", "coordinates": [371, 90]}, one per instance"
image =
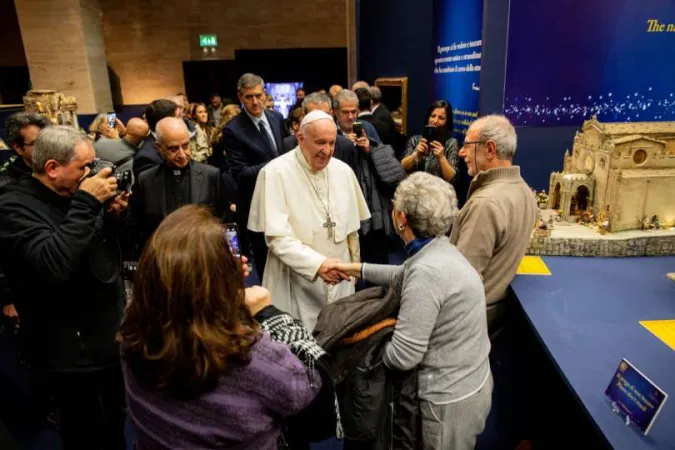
{"type": "Point", "coordinates": [243, 412]}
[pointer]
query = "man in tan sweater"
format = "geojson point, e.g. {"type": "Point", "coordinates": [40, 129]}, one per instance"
{"type": "Point", "coordinates": [493, 229]}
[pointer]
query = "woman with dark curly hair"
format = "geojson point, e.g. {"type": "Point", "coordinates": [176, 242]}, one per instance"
{"type": "Point", "coordinates": [199, 372]}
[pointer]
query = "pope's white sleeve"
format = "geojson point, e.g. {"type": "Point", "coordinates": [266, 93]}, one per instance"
{"type": "Point", "coordinates": [301, 258]}
{"type": "Point", "coordinates": [354, 246]}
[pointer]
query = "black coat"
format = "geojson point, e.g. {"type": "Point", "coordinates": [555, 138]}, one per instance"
{"type": "Point", "coordinates": [61, 259]}
{"type": "Point", "coordinates": [345, 150]}
{"type": "Point", "coordinates": [149, 201]}
{"type": "Point", "coordinates": [379, 407]}
{"type": "Point", "coordinates": [147, 156]}
{"type": "Point", "coordinates": [15, 169]}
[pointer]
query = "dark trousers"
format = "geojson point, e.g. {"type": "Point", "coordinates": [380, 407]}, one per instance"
{"type": "Point", "coordinates": [259, 247]}
{"type": "Point", "coordinates": [89, 408]}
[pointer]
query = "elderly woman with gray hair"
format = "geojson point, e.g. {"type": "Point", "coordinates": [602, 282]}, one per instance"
{"type": "Point", "coordinates": [441, 324]}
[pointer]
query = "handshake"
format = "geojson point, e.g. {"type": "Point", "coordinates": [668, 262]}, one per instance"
{"type": "Point", "coordinates": [333, 271]}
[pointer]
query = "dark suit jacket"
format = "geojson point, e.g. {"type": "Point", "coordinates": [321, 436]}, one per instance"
{"type": "Point", "coordinates": [395, 139]}
{"type": "Point", "coordinates": [344, 150]}
{"type": "Point", "coordinates": [147, 156]}
{"type": "Point", "coordinates": [247, 153]}
{"type": "Point", "coordinates": [383, 130]}
{"type": "Point", "coordinates": [149, 202]}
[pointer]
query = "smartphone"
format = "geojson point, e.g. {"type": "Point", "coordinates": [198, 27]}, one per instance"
{"type": "Point", "coordinates": [358, 129]}
{"type": "Point", "coordinates": [429, 133]}
{"type": "Point", "coordinates": [112, 117]}
{"type": "Point", "coordinates": [233, 238]}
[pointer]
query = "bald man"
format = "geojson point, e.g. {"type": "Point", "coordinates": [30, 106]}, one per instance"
{"type": "Point", "coordinates": [334, 90]}
{"type": "Point", "coordinates": [359, 85]}
{"type": "Point", "coordinates": [309, 206]}
{"type": "Point", "coordinates": [176, 182]}
{"type": "Point", "coordinates": [118, 150]}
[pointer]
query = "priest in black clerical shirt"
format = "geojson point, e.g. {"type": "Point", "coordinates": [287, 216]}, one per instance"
{"type": "Point", "coordinates": [177, 182]}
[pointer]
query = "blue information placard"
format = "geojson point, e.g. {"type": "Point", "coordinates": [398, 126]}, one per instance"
{"type": "Point", "coordinates": [635, 397]}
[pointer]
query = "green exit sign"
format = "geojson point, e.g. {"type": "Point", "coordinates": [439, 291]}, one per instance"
{"type": "Point", "coordinates": [208, 40]}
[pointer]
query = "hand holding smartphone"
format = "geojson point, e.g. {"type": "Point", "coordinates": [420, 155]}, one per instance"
{"type": "Point", "coordinates": [112, 118]}
{"type": "Point", "coordinates": [358, 129]}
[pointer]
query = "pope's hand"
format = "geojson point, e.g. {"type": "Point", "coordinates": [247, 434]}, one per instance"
{"type": "Point", "coordinates": [256, 299]}
{"type": "Point", "coordinates": [330, 274]}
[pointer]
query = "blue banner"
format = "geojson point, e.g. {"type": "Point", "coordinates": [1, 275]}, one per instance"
{"type": "Point", "coordinates": [458, 28]}
{"type": "Point", "coordinates": [633, 395]}
{"type": "Point", "coordinates": [568, 61]}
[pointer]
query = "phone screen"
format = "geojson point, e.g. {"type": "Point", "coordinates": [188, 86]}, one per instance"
{"type": "Point", "coordinates": [111, 119]}
{"type": "Point", "coordinates": [358, 129]}
{"type": "Point", "coordinates": [233, 239]}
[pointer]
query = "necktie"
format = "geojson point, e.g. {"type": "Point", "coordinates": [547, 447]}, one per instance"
{"type": "Point", "coordinates": [266, 137]}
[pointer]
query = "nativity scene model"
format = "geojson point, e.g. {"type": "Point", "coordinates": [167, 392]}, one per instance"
{"type": "Point", "coordinates": [615, 195]}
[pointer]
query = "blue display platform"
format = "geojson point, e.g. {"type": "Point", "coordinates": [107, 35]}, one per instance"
{"type": "Point", "coordinates": [586, 316]}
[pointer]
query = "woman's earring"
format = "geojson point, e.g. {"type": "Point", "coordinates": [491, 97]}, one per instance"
{"type": "Point", "coordinates": [401, 228]}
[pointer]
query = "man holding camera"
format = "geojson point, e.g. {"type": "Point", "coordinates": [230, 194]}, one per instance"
{"type": "Point", "coordinates": [59, 252]}
{"type": "Point", "coordinates": [379, 173]}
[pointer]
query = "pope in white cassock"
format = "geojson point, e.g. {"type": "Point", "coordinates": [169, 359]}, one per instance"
{"type": "Point", "coordinates": [310, 207]}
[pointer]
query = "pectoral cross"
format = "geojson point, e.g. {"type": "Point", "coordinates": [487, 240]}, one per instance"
{"type": "Point", "coordinates": [329, 225]}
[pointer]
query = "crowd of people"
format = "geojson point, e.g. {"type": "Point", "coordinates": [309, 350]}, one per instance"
{"type": "Point", "coordinates": [193, 357]}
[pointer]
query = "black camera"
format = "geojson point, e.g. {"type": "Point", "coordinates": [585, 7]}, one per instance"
{"type": "Point", "coordinates": [124, 177]}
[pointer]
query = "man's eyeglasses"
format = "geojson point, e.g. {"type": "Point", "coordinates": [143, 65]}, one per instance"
{"type": "Point", "coordinates": [28, 144]}
{"type": "Point", "coordinates": [473, 142]}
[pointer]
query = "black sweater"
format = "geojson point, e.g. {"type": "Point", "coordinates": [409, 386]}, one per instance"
{"type": "Point", "coordinates": [61, 260]}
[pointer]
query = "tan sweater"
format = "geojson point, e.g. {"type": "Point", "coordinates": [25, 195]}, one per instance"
{"type": "Point", "coordinates": [493, 228]}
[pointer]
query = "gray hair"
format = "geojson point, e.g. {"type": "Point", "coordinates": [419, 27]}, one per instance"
{"type": "Point", "coordinates": [57, 143]}
{"type": "Point", "coordinates": [316, 98]}
{"type": "Point", "coordinates": [248, 81]}
{"type": "Point", "coordinates": [429, 203]}
{"type": "Point", "coordinates": [497, 128]}
{"type": "Point", "coordinates": [17, 121]}
{"type": "Point", "coordinates": [345, 96]}
{"type": "Point", "coordinates": [375, 94]}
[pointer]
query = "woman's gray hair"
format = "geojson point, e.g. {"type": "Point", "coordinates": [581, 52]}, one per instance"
{"type": "Point", "coordinates": [497, 128]}
{"type": "Point", "coordinates": [429, 203]}
{"type": "Point", "coordinates": [248, 81]}
{"type": "Point", "coordinates": [58, 143]}
{"type": "Point", "coordinates": [345, 96]}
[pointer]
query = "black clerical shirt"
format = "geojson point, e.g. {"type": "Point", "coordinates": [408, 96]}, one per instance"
{"type": "Point", "coordinates": [177, 188]}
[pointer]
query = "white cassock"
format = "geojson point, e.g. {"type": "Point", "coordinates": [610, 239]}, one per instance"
{"type": "Point", "coordinates": [290, 205]}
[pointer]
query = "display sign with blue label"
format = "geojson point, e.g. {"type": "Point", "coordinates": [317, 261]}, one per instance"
{"type": "Point", "coordinates": [635, 397]}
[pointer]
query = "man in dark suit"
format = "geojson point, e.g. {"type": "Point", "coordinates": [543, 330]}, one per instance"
{"type": "Point", "coordinates": [252, 139]}
{"type": "Point", "coordinates": [176, 182]}
{"type": "Point", "coordinates": [379, 110]}
{"type": "Point", "coordinates": [344, 148]}
{"type": "Point", "coordinates": [147, 155]}
{"type": "Point", "coordinates": [365, 104]}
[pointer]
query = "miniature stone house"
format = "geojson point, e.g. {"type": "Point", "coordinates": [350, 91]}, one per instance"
{"type": "Point", "coordinates": [626, 170]}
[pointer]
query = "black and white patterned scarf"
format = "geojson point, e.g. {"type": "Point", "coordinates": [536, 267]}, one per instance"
{"type": "Point", "coordinates": [287, 330]}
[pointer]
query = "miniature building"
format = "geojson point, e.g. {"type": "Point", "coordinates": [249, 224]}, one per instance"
{"type": "Point", "coordinates": [626, 170]}
{"type": "Point", "coordinates": [60, 109]}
